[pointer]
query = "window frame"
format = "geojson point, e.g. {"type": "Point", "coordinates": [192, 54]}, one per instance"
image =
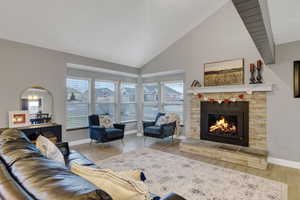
{"type": "Point", "coordinates": [89, 100]}
{"type": "Point", "coordinates": [135, 102]}
{"type": "Point", "coordinates": [115, 102]}
{"type": "Point", "coordinates": [139, 102]}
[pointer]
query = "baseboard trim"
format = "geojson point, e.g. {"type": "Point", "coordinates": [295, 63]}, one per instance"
{"type": "Point", "coordinates": [285, 163]}
{"type": "Point", "coordinates": [87, 140]}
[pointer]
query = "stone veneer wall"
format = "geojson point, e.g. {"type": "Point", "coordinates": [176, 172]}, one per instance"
{"type": "Point", "coordinates": [257, 116]}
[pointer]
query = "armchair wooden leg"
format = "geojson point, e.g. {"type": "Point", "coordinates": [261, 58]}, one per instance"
{"type": "Point", "coordinates": [172, 138]}
{"type": "Point", "coordinates": [91, 142]}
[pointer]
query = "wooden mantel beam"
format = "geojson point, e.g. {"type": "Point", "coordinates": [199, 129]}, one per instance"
{"type": "Point", "coordinates": [255, 15]}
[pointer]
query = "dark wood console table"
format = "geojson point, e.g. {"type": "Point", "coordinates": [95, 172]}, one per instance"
{"type": "Point", "coordinates": [32, 132]}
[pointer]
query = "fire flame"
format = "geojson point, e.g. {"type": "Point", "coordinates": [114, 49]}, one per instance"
{"type": "Point", "coordinates": [222, 126]}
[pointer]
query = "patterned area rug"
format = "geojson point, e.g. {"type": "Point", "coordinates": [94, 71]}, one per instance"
{"type": "Point", "coordinates": [195, 180]}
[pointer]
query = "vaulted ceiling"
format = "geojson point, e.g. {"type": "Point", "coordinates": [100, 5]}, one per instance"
{"type": "Point", "coordinates": [285, 20]}
{"type": "Point", "coordinates": [128, 32]}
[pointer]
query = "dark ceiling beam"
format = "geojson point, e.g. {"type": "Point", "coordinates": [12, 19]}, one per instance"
{"type": "Point", "coordinates": [255, 15]}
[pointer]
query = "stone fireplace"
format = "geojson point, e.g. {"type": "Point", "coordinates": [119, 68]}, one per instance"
{"type": "Point", "coordinates": [225, 123]}
{"type": "Point", "coordinates": [233, 131]}
{"type": "Point", "coordinates": [257, 116]}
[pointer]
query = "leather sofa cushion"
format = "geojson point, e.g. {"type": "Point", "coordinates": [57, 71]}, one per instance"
{"type": "Point", "coordinates": [15, 146]}
{"type": "Point", "coordinates": [42, 178]}
{"type": "Point", "coordinates": [47, 179]}
{"type": "Point", "coordinates": [9, 189]}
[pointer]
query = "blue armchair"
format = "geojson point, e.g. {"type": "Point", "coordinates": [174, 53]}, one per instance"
{"type": "Point", "coordinates": [163, 131]}
{"type": "Point", "coordinates": [102, 134]}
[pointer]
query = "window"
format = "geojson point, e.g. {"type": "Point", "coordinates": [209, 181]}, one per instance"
{"type": "Point", "coordinates": [34, 106]}
{"type": "Point", "coordinates": [173, 98]}
{"type": "Point", "coordinates": [128, 101]}
{"type": "Point", "coordinates": [77, 102]}
{"type": "Point", "coordinates": [105, 102]}
{"type": "Point", "coordinates": [151, 100]}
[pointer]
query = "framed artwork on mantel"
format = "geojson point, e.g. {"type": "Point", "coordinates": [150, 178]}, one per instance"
{"type": "Point", "coordinates": [230, 72]}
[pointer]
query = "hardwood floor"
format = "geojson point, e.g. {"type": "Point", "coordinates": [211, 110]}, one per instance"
{"type": "Point", "coordinates": [97, 152]}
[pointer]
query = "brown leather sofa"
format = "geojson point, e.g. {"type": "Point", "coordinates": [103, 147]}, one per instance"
{"type": "Point", "coordinates": [25, 174]}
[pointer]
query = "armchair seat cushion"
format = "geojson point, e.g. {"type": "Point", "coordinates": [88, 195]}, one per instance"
{"type": "Point", "coordinates": [114, 133]}
{"type": "Point", "coordinates": [153, 130]}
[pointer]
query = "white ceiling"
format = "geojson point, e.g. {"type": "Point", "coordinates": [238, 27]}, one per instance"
{"type": "Point", "coordinates": [128, 32]}
{"type": "Point", "coordinates": [285, 20]}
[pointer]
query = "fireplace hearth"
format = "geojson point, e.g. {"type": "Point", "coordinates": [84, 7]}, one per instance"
{"type": "Point", "coordinates": [225, 123]}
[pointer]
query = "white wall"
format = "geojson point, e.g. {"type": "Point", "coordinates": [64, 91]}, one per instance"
{"type": "Point", "coordinates": [223, 36]}
{"type": "Point", "coordinates": [283, 108]}
{"type": "Point", "coordinates": [23, 66]}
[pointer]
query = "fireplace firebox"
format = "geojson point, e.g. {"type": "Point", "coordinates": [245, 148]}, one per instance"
{"type": "Point", "coordinates": [225, 123]}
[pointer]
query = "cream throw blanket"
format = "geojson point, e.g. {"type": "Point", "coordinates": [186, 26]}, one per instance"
{"type": "Point", "coordinates": [119, 185]}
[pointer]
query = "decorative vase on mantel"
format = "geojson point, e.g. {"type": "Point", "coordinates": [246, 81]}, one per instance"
{"type": "Point", "coordinates": [259, 78]}
{"type": "Point", "coordinates": [252, 71]}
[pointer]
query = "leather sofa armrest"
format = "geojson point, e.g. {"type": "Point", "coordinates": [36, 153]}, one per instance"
{"type": "Point", "coordinates": [173, 196]}
{"type": "Point", "coordinates": [119, 126]}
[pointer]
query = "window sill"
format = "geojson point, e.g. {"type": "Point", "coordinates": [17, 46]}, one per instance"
{"type": "Point", "coordinates": [129, 121]}
{"type": "Point", "coordinates": [76, 129]}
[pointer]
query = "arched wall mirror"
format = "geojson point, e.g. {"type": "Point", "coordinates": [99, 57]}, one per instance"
{"type": "Point", "coordinates": [38, 101]}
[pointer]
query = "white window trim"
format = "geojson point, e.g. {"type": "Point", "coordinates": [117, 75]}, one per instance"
{"type": "Point", "coordinates": [129, 121]}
